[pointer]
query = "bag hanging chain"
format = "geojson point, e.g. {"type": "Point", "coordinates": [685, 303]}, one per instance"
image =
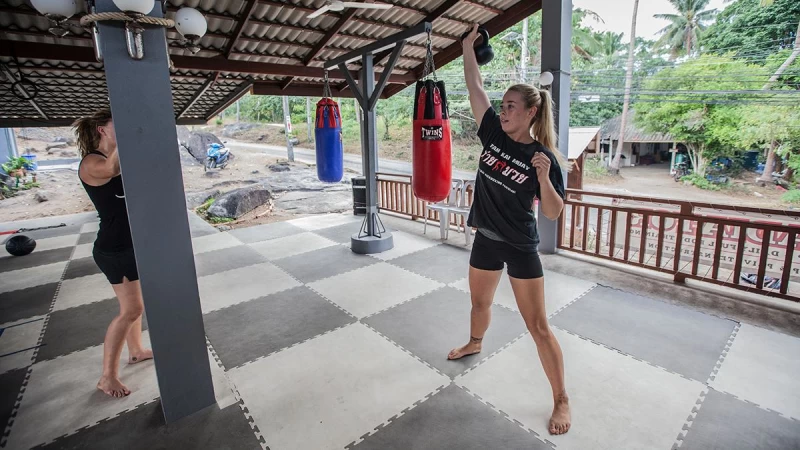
{"type": "Point", "coordinates": [429, 68]}
{"type": "Point", "coordinates": [326, 90]}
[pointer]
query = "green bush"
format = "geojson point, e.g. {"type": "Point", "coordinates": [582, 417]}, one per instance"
{"type": "Point", "coordinates": [702, 183]}
{"type": "Point", "coordinates": [792, 196]}
{"type": "Point", "coordinates": [594, 168]}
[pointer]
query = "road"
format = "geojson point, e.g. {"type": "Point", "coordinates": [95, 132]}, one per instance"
{"type": "Point", "coordinates": [351, 161]}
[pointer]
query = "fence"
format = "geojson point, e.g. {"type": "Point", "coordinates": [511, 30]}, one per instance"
{"type": "Point", "coordinates": [745, 248]}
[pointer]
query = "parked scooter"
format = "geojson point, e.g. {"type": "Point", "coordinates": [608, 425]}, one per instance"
{"type": "Point", "coordinates": [216, 156]}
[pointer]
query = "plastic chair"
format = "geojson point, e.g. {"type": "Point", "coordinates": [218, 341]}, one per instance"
{"type": "Point", "coordinates": [444, 208]}
{"type": "Point", "coordinates": [462, 209]}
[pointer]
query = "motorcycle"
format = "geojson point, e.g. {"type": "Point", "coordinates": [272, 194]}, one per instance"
{"type": "Point", "coordinates": [216, 156]}
{"type": "Point", "coordinates": [681, 170]}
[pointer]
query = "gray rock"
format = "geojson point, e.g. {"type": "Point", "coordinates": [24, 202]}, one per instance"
{"type": "Point", "coordinates": [212, 174]}
{"type": "Point", "coordinates": [40, 197]}
{"type": "Point", "coordinates": [68, 153]}
{"type": "Point", "coordinates": [315, 202]}
{"type": "Point", "coordinates": [224, 228]}
{"type": "Point", "coordinates": [196, 199]}
{"type": "Point", "coordinates": [238, 202]}
{"type": "Point", "coordinates": [233, 129]}
{"type": "Point", "coordinates": [60, 139]}
{"type": "Point", "coordinates": [255, 172]}
{"type": "Point", "coordinates": [198, 143]}
{"type": "Point", "coordinates": [54, 146]}
{"type": "Point", "coordinates": [279, 167]}
{"type": "Point", "coordinates": [232, 182]}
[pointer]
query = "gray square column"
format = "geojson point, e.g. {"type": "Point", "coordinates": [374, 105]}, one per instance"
{"type": "Point", "coordinates": [144, 120]}
{"type": "Point", "coordinates": [556, 59]}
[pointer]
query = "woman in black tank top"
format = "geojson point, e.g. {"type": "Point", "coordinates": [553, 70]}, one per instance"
{"type": "Point", "coordinates": [100, 176]}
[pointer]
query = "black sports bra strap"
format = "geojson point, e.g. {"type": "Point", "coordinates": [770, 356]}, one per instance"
{"type": "Point", "coordinates": [95, 152]}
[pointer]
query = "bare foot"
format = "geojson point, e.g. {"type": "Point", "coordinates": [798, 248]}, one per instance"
{"type": "Point", "coordinates": [144, 355]}
{"type": "Point", "coordinates": [560, 421]}
{"type": "Point", "coordinates": [113, 387]}
{"type": "Point", "coordinates": [473, 347]}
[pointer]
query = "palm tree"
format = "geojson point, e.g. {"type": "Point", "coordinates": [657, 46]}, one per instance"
{"type": "Point", "coordinates": [628, 82]}
{"type": "Point", "coordinates": [686, 27]}
{"type": "Point", "coordinates": [609, 50]}
{"type": "Point", "coordinates": [584, 42]}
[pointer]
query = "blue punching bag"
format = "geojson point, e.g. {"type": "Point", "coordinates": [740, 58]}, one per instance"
{"type": "Point", "coordinates": [328, 132]}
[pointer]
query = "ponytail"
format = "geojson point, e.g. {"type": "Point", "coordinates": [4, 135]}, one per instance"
{"type": "Point", "coordinates": [86, 134]}
{"type": "Point", "coordinates": [543, 127]}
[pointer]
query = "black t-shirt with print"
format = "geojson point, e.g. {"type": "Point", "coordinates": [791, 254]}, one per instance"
{"type": "Point", "coordinates": [506, 185]}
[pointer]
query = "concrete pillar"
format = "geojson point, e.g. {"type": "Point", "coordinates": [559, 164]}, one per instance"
{"type": "Point", "coordinates": [556, 58]}
{"type": "Point", "coordinates": [144, 120]}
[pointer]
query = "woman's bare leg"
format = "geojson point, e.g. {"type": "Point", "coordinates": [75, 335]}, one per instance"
{"type": "Point", "coordinates": [482, 286]}
{"type": "Point", "coordinates": [130, 310]}
{"type": "Point", "coordinates": [136, 351]}
{"type": "Point", "coordinates": [530, 300]}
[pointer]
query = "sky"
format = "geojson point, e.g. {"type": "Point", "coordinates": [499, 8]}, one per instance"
{"type": "Point", "coordinates": [617, 15]}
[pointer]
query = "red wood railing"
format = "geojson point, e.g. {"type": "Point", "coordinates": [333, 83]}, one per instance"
{"type": "Point", "coordinates": [396, 195]}
{"type": "Point", "coordinates": [761, 244]}
{"type": "Point", "coordinates": [662, 235]}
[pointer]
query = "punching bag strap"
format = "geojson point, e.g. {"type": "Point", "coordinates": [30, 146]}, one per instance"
{"type": "Point", "coordinates": [429, 67]}
{"type": "Point", "coordinates": [326, 90]}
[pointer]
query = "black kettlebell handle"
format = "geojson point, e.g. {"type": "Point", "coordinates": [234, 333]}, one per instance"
{"type": "Point", "coordinates": [481, 31]}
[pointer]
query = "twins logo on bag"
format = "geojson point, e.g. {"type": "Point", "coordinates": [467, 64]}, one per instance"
{"type": "Point", "coordinates": [432, 133]}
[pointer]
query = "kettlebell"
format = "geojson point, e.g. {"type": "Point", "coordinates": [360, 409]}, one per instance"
{"type": "Point", "coordinates": [483, 51]}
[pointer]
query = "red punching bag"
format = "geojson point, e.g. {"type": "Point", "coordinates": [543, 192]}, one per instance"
{"type": "Point", "coordinates": [432, 157]}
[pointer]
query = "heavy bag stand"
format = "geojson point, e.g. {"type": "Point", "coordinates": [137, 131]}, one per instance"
{"type": "Point", "coordinates": [372, 237]}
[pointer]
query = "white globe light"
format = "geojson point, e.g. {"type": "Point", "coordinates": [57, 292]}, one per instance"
{"type": "Point", "coordinates": [190, 22]}
{"type": "Point", "coordinates": [546, 79]}
{"type": "Point", "coordinates": [65, 8]}
{"type": "Point", "coordinates": [139, 6]}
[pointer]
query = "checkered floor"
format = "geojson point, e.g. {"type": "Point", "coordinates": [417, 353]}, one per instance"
{"type": "Point", "coordinates": [314, 347]}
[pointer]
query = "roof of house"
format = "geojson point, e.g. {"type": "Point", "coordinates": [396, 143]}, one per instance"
{"type": "Point", "coordinates": [633, 133]}
{"type": "Point", "coordinates": [266, 47]}
{"type": "Point", "coordinates": [579, 139]}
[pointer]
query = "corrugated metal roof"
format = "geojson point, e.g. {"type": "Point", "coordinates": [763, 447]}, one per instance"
{"type": "Point", "coordinates": [580, 138]}
{"type": "Point", "coordinates": [610, 129]}
{"type": "Point", "coordinates": [277, 38]}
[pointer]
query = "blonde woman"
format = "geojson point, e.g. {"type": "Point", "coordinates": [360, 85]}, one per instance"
{"type": "Point", "coordinates": [100, 176]}
{"type": "Point", "coordinates": [519, 163]}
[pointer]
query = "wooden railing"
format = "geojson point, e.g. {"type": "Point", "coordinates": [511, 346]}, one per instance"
{"type": "Point", "coordinates": [396, 195]}
{"type": "Point", "coordinates": [658, 234]}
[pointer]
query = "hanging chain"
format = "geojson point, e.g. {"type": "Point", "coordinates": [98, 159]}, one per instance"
{"type": "Point", "coordinates": [326, 90]}
{"type": "Point", "coordinates": [429, 68]}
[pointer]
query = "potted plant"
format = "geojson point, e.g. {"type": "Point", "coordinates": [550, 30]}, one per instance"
{"type": "Point", "coordinates": [15, 167]}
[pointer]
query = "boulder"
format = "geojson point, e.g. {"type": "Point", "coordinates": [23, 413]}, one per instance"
{"type": "Point", "coordinates": [54, 146]}
{"type": "Point", "coordinates": [196, 199]}
{"type": "Point", "coordinates": [40, 197]}
{"type": "Point", "coordinates": [241, 201]}
{"type": "Point", "coordinates": [235, 128]}
{"type": "Point", "coordinates": [279, 167]}
{"type": "Point", "coordinates": [198, 143]}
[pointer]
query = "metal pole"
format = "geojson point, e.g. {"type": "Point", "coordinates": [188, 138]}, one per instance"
{"type": "Point", "coordinates": [556, 58]}
{"type": "Point", "coordinates": [287, 120]}
{"type": "Point", "coordinates": [308, 119]}
{"type": "Point", "coordinates": [523, 64]}
{"type": "Point", "coordinates": [369, 141]}
{"type": "Point", "coordinates": [144, 121]}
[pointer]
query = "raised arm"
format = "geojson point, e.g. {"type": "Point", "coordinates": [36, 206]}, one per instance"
{"type": "Point", "coordinates": [478, 99]}
{"type": "Point", "coordinates": [99, 169]}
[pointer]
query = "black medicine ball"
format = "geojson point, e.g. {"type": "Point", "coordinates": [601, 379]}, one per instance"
{"type": "Point", "coordinates": [20, 245]}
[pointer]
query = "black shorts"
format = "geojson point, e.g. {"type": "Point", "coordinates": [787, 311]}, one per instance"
{"type": "Point", "coordinates": [117, 265]}
{"type": "Point", "coordinates": [488, 254]}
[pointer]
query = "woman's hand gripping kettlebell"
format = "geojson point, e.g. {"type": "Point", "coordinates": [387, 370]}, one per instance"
{"type": "Point", "coordinates": [469, 38]}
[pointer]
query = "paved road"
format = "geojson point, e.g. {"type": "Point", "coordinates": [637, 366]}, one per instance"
{"type": "Point", "coordinates": [351, 161]}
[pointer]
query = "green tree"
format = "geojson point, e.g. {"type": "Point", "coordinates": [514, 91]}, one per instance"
{"type": "Point", "coordinates": [750, 31]}
{"type": "Point", "coordinates": [628, 83]}
{"type": "Point", "coordinates": [682, 35]}
{"type": "Point", "coordinates": [697, 104]}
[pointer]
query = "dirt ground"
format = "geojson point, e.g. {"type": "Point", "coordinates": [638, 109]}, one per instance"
{"type": "Point", "coordinates": [655, 181]}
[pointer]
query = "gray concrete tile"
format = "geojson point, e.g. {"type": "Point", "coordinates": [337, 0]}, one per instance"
{"type": "Point", "coordinates": [226, 259]}
{"type": "Point", "coordinates": [28, 302]}
{"type": "Point", "coordinates": [435, 323]}
{"type": "Point", "coordinates": [12, 383]}
{"type": "Point", "coordinates": [256, 328]}
{"type": "Point", "coordinates": [87, 238]}
{"type": "Point", "coordinates": [144, 427]}
{"type": "Point", "coordinates": [199, 227]}
{"type": "Point", "coordinates": [81, 267]}
{"type": "Point", "coordinates": [676, 338]}
{"type": "Point", "coordinates": [451, 419]}
{"type": "Point", "coordinates": [18, 343]}
{"type": "Point", "coordinates": [324, 263]}
{"type": "Point", "coordinates": [341, 233]}
{"type": "Point", "coordinates": [265, 232]}
{"type": "Point", "coordinates": [727, 423]}
{"type": "Point", "coordinates": [77, 328]}
{"type": "Point", "coordinates": [443, 263]}
{"type": "Point", "coordinates": [37, 258]}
